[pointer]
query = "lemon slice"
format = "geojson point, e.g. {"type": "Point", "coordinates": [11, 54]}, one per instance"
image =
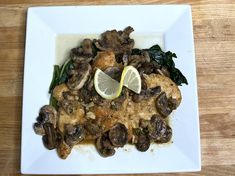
{"type": "Point", "coordinates": [109, 88]}
{"type": "Point", "coordinates": [105, 86]}
{"type": "Point", "coordinates": [131, 79]}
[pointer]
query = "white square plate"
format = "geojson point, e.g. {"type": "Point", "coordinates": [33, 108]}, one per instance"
{"type": "Point", "coordinates": [173, 23]}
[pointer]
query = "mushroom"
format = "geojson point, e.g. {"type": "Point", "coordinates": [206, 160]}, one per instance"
{"type": "Point", "coordinates": [47, 114]}
{"type": "Point", "coordinates": [87, 47]}
{"type": "Point", "coordinates": [49, 139]}
{"type": "Point", "coordinates": [82, 54]}
{"type": "Point", "coordinates": [118, 135]}
{"type": "Point", "coordinates": [164, 107]}
{"type": "Point", "coordinates": [63, 150]}
{"type": "Point", "coordinates": [138, 60]}
{"type": "Point", "coordinates": [38, 128]}
{"type": "Point", "coordinates": [143, 142]}
{"type": "Point", "coordinates": [79, 76]}
{"type": "Point", "coordinates": [149, 67]}
{"type": "Point", "coordinates": [158, 130]}
{"type": "Point", "coordinates": [146, 94]}
{"type": "Point", "coordinates": [74, 134]}
{"type": "Point", "coordinates": [117, 41]}
{"type": "Point", "coordinates": [104, 146]}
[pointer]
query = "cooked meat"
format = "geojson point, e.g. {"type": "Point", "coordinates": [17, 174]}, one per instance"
{"type": "Point", "coordinates": [47, 114]}
{"type": "Point", "coordinates": [69, 105]}
{"type": "Point", "coordinates": [63, 150]}
{"type": "Point", "coordinates": [70, 96]}
{"type": "Point", "coordinates": [93, 130]}
{"type": "Point", "coordinates": [74, 134]}
{"type": "Point", "coordinates": [117, 41]}
{"type": "Point", "coordinates": [79, 76]}
{"type": "Point", "coordinates": [117, 103]}
{"type": "Point", "coordinates": [118, 135]}
{"type": "Point", "coordinates": [104, 146]}
{"type": "Point", "coordinates": [77, 117]}
{"type": "Point", "coordinates": [90, 115]}
{"type": "Point", "coordinates": [166, 84]}
{"type": "Point", "coordinates": [158, 130]}
{"type": "Point", "coordinates": [104, 59]}
{"type": "Point", "coordinates": [59, 90]}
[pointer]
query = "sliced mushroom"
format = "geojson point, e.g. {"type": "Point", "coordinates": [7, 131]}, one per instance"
{"type": "Point", "coordinates": [74, 134]}
{"type": "Point", "coordinates": [104, 146]}
{"type": "Point", "coordinates": [63, 150]}
{"type": "Point", "coordinates": [163, 106]}
{"type": "Point", "coordinates": [49, 139]}
{"type": "Point", "coordinates": [79, 76]}
{"type": "Point", "coordinates": [47, 114]}
{"type": "Point", "coordinates": [146, 94]}
{"type": "Point", "coordinates": [118, 135]}
{"type": "Point", "coordinates": [143, 142]}
{"type": "Point", "coordinates": [117, 41]}
{"type": "Point", "coordinates": [87, 47]}
{"type": "Point", "coordinates": [138, 60]}
{"type": "Point", "coordinates": [82, 54]}
{"type": "Point", "coordinates": [38, 129]}
{"type": "Point", "coordinates": [149, 67]}
{"type": "Point", "coordinates": [158, 130]}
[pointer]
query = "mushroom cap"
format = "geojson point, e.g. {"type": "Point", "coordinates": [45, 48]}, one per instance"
{"type": "Point", "coordinates": [74, 134]}
{"type": "Point", "coordinates": [104, 146]}
{"type": "Point", "coordinates": [118, 135]}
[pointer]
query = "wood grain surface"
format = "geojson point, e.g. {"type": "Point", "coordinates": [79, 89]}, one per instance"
{"type": "Point", "coordinates": [214, 33]}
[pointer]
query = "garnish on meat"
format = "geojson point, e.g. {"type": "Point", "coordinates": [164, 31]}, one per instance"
{"type": "Point", "coordinates": [77, 113]}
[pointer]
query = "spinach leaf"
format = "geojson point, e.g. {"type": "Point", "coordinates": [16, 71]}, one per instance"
{"type": "Point", "coordinates": [64, 71]}
{"type": "Point", "coordinates": [164, 59]}
{"type": "Point", "coordinates": [60, 74]}
{"type": "Point", "coordinates": [53, 102]}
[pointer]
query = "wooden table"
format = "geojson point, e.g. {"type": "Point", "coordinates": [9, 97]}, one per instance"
{"type": "Point", "coordinates": [214, 33]}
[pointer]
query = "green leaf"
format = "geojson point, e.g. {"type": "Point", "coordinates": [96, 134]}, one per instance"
{"type": "Point", "coordinates": [63, 77]}
{"type": "Point", "coordinates": [54, 102]}
{"type": "Point", "coordinates": [164, 59]}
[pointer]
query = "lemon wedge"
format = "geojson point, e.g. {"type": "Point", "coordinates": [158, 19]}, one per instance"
{"type": "Point", "coordinates": [131, 79]}
{"type": "Point", "coordinates": [106, 86]}
{"type": "Point", "coordinates": [109, 88]}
